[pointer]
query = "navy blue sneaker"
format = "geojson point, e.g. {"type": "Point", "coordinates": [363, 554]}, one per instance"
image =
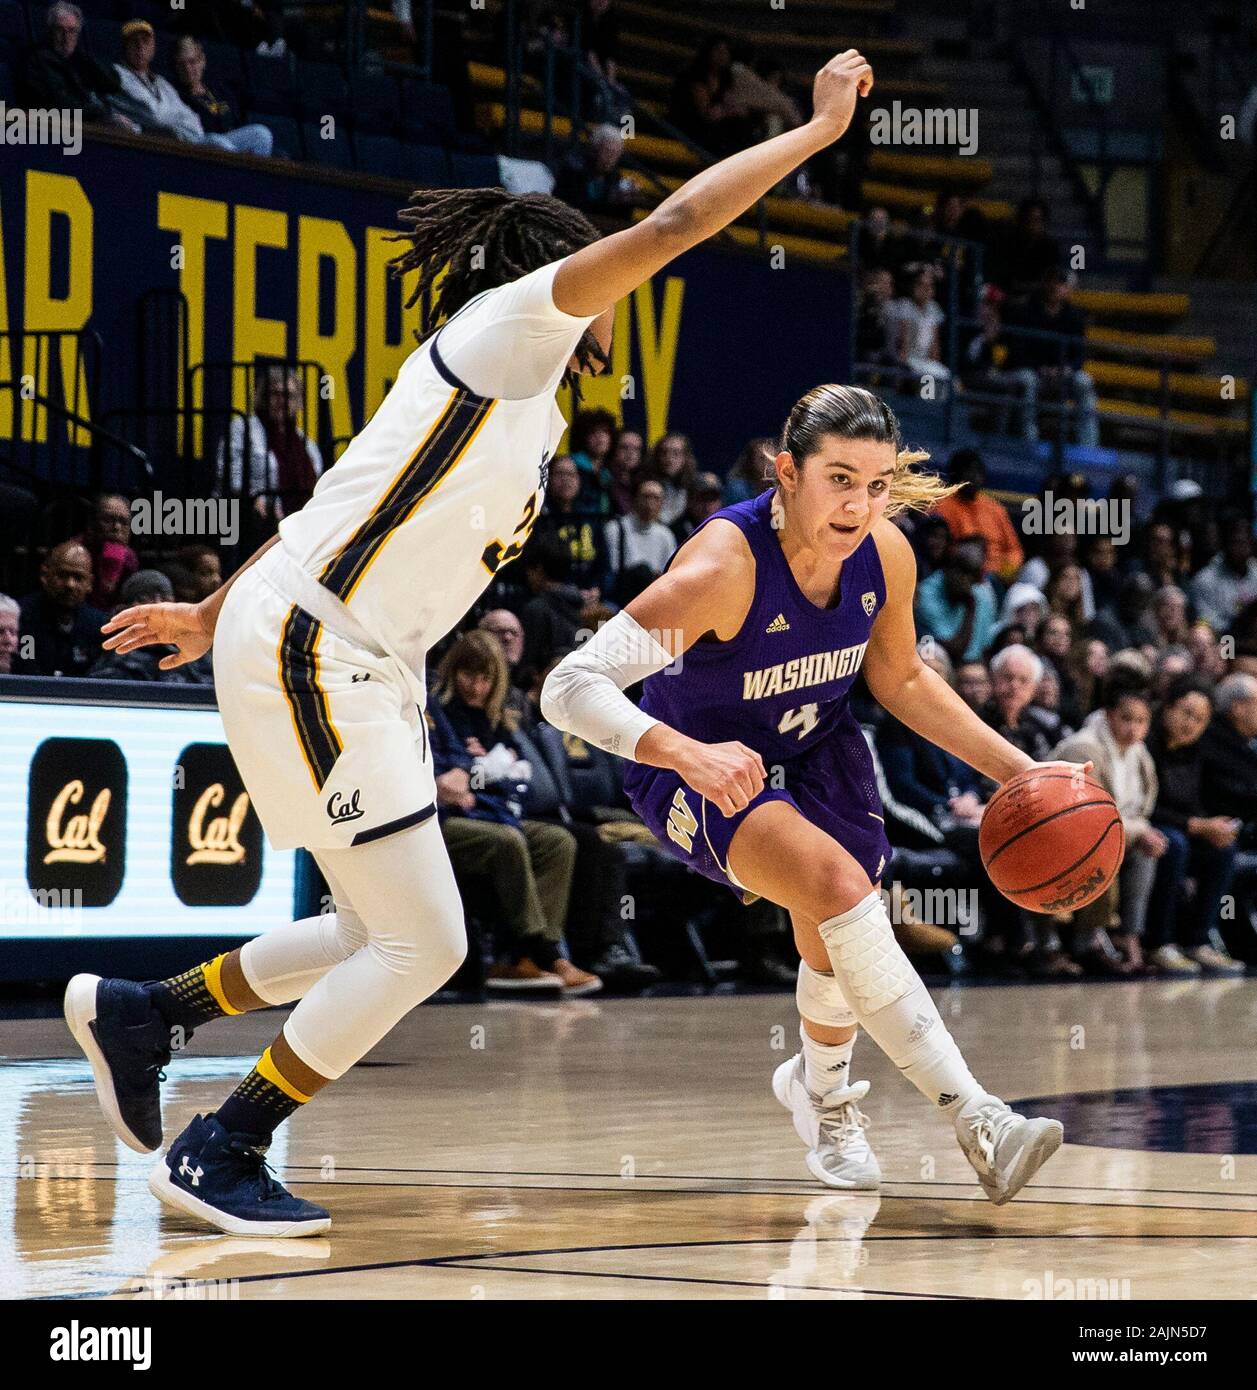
{"type": "Point", "coordinates": [127, 1043]}
{"type": "Point", "coordinates": [224, 1179]}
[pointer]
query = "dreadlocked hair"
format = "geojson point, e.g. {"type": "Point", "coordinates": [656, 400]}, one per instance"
{"type": "Point", "coordinates": [482, 238]}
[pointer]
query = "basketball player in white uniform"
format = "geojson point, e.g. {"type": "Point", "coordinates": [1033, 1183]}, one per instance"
{"type": "Point", "coordinates": [320, 642]}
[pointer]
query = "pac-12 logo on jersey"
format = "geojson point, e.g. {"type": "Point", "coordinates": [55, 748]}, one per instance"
{"type": "Point", "coordinates": [545, 470]}
{"type": "Point", "coordinates": [870, 603]}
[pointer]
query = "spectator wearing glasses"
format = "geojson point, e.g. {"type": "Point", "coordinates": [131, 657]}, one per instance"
{"type": "Point", "coordinates": [107, 539]}
{"type": "Point", "coordinates": [64, 77]}
{"type": "Point", "coordinates": [10, 618]}
{"type": "Point", "coordinates": [509, 631]}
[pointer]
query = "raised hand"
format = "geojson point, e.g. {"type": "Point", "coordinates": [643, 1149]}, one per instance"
{"type": "Point", "coordinates": [836, 87]}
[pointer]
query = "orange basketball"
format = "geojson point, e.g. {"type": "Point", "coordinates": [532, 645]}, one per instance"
{"type": "Point", "coordinates": [1051, 839]}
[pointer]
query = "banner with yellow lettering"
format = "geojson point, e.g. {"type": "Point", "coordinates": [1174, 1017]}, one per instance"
{"type": "Point", "coordinates": [293, 264]}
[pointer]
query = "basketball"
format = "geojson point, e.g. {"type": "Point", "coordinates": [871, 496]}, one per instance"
{"type": "Point", "coordinates": [1051, 840]}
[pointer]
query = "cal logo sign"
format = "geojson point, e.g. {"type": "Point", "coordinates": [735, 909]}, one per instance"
{"type": "Point", "coordinates": [77, 819]}
{"type": "Point", "coordinates": [216, 837]}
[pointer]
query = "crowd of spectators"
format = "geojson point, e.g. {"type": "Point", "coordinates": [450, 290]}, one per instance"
{"type": "Point", "coordinates": [130, 94]}
{"type": "Point", "coordinates": [1144, 663]}
{"type": "Point", "coordinates": [1017, 343]}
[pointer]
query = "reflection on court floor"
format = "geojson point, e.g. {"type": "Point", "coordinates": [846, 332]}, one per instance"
{"type": "Point", "coordinates": [632, 1149]}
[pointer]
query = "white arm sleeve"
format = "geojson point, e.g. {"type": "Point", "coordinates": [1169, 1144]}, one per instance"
{"type": "Point", "coordinates": [584, 696]}
{"type": "Point", "coordinates": [512, 342]}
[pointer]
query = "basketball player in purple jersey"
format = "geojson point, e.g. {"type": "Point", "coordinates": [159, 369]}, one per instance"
{"type": "Point", "coordinates": [748, 764]}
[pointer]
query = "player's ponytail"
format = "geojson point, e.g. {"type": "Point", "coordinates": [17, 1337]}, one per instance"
{"type": "Point", "coordinates": [853, 413]}
{"type": "Point", "coordinates": [463, 241]}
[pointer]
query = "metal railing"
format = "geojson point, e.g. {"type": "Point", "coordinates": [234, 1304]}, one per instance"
{"type": "Point", "coordinates": [50, 440]}
{"type": "Point", "coordinates": [583, 79]}
{"type": "Point", "coordinates": [223, 386]}
{"type": "Point", "coordinates": [965, 388]}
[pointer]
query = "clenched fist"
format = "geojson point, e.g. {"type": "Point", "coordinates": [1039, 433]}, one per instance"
{"type": "Point", "coordinates": [837, 85]}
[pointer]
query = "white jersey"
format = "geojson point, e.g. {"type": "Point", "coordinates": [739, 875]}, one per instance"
{"type": "Point", "coordinates": [443, 485]}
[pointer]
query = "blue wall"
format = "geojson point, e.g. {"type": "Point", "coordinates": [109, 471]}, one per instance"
{"type": "Point", "coordinates": [275, 263]}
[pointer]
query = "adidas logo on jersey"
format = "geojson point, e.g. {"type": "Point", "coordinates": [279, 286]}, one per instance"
{"type": "Point", "coordinates": [778, 624]}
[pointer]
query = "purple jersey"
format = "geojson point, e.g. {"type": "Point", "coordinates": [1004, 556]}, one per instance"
{"type": "Point", "coordinates": [781, 685]}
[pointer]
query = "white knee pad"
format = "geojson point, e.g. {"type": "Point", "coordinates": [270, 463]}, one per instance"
{"type": "Point", "coordinates": [864, 951]}
{"type": "Point", "coordinates": [821, 1000]}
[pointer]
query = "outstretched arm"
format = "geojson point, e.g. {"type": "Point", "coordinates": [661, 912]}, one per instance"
{"type": "Point", "coordinates": [187, 626]}
{"type": "Point", "coordinates": [917, 696]}
{"type": "Point", "coordinates": [598, 276]}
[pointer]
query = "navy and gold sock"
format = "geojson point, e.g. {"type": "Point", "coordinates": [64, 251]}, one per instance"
{"type": "Point", "coordinates": [279, 1085]}
{"type": "Point", "coordinates": [215, 989]}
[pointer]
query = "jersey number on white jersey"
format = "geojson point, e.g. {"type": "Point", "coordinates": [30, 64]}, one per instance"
{"type": "Point", "coordinates": [496, 554]}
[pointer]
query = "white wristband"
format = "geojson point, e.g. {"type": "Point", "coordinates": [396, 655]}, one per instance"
{"type": "Point", "coordinates": [583, 694]}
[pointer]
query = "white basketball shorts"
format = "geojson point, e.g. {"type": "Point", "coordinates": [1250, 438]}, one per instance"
{"type": "Point", "coordinates": [325, 730]}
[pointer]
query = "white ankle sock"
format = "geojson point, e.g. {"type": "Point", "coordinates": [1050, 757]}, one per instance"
{"type": "Point", "coordinates": [893, 1006]}
{"type": "Point", "coordinates": [825, 1066]}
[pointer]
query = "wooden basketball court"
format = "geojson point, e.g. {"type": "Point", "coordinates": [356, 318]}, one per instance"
{"type": "Point", "coordinates": [633, 1150]}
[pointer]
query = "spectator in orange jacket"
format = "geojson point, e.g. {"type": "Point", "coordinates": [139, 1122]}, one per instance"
{"type": "Point", "coordinates": [972, 512]}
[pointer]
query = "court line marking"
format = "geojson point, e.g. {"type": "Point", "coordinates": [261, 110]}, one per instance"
{"type": "Point", "coordinates": [736, 1283]}
{"type": "Point", "coordinates": [484, 1259]}
{"type": "Point", "coordinates": [734, 1191]}
{"type": "Point", "coordinates": [697, 1178]}
{"type": "Point", "coordinates": [722, 1177]}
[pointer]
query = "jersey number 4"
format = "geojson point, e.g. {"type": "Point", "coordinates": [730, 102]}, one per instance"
{"type": "Point", "coordinates": [803, 719]}
{"type": "Point", "coordinates": [496, 554]}
{"type": "Point", "coordinates": [682, 823]}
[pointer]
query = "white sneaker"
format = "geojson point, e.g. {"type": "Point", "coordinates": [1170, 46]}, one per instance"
{"type": "Point", "coordinates": [832, 1128]}
{"type": "Point", "coordinates": [1218, 962]}
{"type": "Point", "coordinates": [1005, 1149]}
{"type": "Point", "coordinates": [1169, 960]}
